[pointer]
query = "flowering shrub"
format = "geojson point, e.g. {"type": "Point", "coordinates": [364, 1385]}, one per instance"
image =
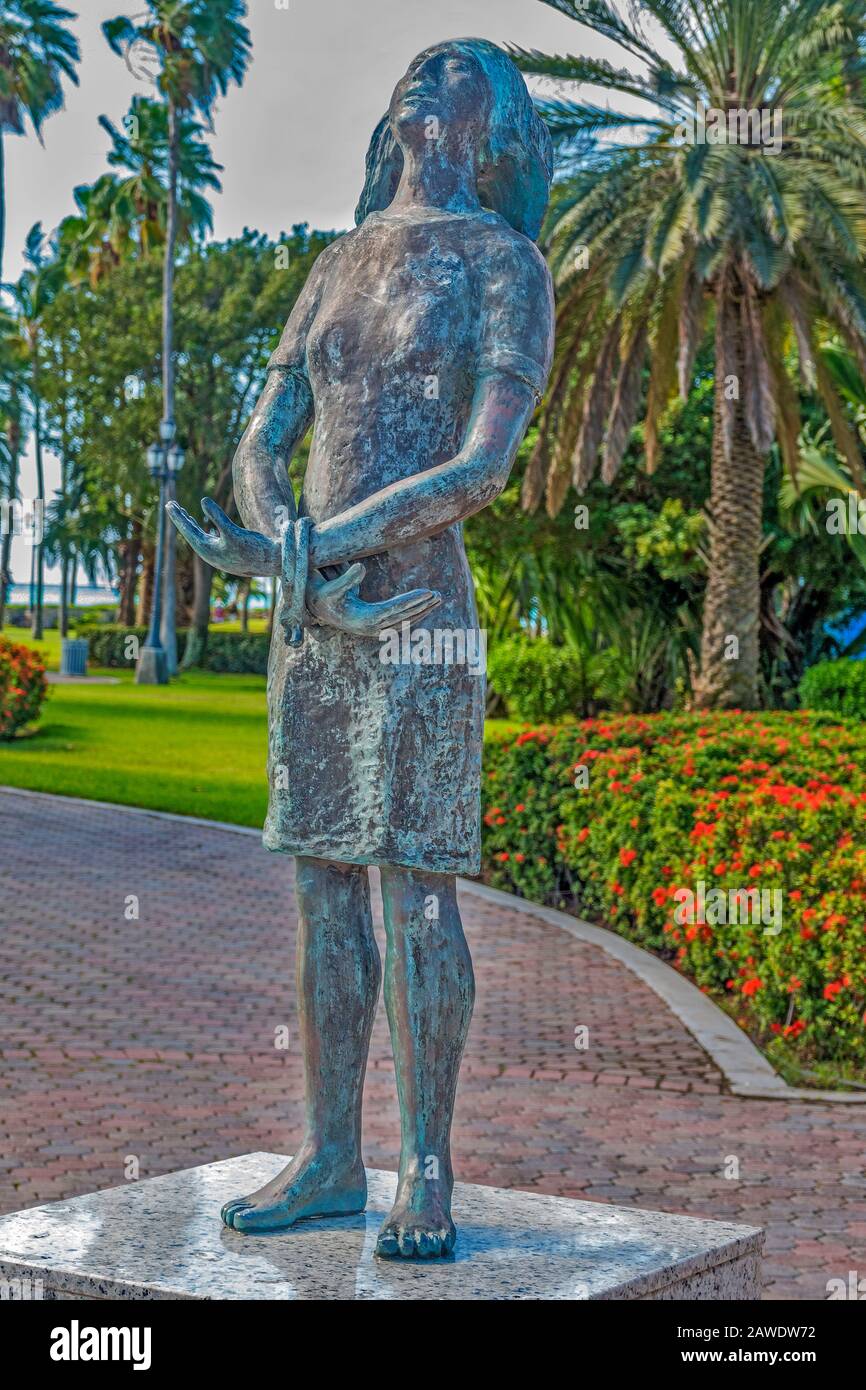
{"type": "Point", "coordinates": [622, 818]}
{"type": "Point", "coordinates": [22, 687]}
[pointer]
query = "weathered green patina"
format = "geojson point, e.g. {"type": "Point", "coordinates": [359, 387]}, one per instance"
{"type": "Point", "coordinates": [419, 349]}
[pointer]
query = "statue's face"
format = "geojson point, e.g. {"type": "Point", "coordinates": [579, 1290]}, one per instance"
{"type": "Point", "coordinates": [442, 83]}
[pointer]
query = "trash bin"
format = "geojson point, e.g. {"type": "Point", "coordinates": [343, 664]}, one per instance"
{"type": "Point", "coordinates": [73, 656]}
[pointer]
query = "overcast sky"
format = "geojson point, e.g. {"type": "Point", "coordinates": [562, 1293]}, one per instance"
{"type": "Point", "coordinates": [292, 139]}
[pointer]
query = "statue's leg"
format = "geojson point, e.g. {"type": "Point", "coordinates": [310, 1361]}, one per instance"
{"type": "Point", "coordinates": [338, 975]}
{"type": "Point", "coordinates": [429, 992]}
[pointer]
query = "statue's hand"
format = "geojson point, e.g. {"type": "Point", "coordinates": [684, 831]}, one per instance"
{"type": "Point", "coordinates": [230, 547]}
{"type": "Point", "coordinates": [335, 602]}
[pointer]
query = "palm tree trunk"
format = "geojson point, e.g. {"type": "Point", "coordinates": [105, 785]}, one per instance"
{"type": "Point", "coordinates": [64, 596]}
{"type": "Point", "coordinates": [196, 640]}
{"type": "Point", "coordinates": [2, 201]}
{"type": "Point", "coordinates": [246, 591]}
{"type": "Point", "coordinates": [14, 442]}
{"type": "Point", "coordinates": [728, 676]}
{"type": "Point", "coordinates": [145, 584]}
{"type": "Point", "coordinates": [5, 576]}
{"type": "Point", "coordinates": [36, 623]}
{"type": "Point", "coordinates": [130, 553]}
{"type": "Point", "coordinates": [168, 632]}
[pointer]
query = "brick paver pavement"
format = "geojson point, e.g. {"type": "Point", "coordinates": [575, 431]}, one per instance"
{"type": "Point", "coordinates": [155, 1038]}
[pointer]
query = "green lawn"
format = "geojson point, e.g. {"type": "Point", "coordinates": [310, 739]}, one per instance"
{"type": "Point", "coordinates": [197, 746]}
{"type": "Point", "coordinates": [49, 645]}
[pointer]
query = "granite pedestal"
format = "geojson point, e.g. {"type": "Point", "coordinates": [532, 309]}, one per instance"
{"type": "Point", "coordinates": [162, 1238]}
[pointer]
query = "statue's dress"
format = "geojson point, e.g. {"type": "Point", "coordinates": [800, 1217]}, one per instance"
{"type": "Point", "coordinates": [372, 762]}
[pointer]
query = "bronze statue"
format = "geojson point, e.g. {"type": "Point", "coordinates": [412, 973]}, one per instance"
{"type": "Point", "coordinates": [419, 349]}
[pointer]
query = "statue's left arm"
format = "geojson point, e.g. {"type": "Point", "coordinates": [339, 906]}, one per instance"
{"type": "Point", "coordinates": [515, 351]}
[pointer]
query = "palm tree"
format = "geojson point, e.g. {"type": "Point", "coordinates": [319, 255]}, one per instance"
{"type": "Point", "coordinates": [125, 213]}
{"type": "Point", "coordinates": [100, 234]}
{"type": "Point", "coordinates": [203, 47]}
{"type": "Point", "coordinates": [144, 160]}
{"type": "Point", "coordinates": [739, 200]}
{"type": "Point", "coordinates": [823, 477]}
{"type": "Point", "coordinates": [31, 294]}
{"type": "Point", "coordinates": [11, 433]}
{"type": "Point", "coordinates": [36, 52]}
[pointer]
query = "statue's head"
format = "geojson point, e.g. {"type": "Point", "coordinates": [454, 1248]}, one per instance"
{"type": "Point", "coordinates": [468, 95]}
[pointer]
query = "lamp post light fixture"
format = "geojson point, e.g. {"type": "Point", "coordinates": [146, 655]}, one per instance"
{"type": "Point", "coordinates": [168, 626]}
{"type": "Point", "coordinates": [152, 668]}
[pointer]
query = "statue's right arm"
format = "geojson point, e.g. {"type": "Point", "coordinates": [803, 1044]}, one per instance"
{"type": "Point", "coordinates": [281, 418]}
{"type": "Point", "coordinates": [260, 475]}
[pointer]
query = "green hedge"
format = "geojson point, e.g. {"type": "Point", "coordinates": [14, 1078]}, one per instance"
{"type": "Point", "coordinates": [537, 680]}
{"type": "Point", "coordinates": [773, 802]}
{"type": "Point", "coordinates": [836, 685]}
{"type": "Point", "coordinates": [241, 653]}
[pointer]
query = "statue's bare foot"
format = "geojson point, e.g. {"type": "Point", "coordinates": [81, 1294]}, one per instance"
{"type": "Point", "coordinates": [315, 1183]}
{"type": "Point", "coordinates": [420, 1225]}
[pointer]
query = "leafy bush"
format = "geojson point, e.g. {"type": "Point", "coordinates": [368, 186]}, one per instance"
{"type": "Point", "coordinates": [22, 687]}
{"type": "Point", "coordinates": [736, 801]}
{"type": "Point", "coordinates": [110, 644]}
{"type": "Point", "coordinates": [241, 653]}
{"type": "Point", "coordinates": [836, 685]}
{"type": "Point", "coordinates": [538, 680]}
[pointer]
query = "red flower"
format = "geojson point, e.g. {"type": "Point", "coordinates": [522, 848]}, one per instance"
{"type": "Point", "coordinates": [627, 856]}
{"type": "Point", "coordinates": [793, 1030]}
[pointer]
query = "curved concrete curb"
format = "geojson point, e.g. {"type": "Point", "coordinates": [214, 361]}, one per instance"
{"type": "Point", "coordinates": [747, 1071]}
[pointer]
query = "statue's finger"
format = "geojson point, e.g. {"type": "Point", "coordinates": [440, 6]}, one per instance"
{"type": "Point", "coordinates": [412, 611]}
{"type": "Point", "coordinates": [334, 589]}
{"type": "Point", "coordinates": [214, 512]}
{"type": "Point", "coordinates": [188, 527]}
{"type": "Point", "coordinates": [409, 605]}
{"type": "Point", "coordinates": [370, 618]}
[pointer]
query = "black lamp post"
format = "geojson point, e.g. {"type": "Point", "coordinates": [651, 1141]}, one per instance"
{"type": "Point", "coordinates": [168, 628]}
{"type": "Point", "coordinates": [163, 463]}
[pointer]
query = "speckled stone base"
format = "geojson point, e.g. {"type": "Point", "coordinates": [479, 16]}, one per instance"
{"type": "Point", "coordinates": [163, 1238]}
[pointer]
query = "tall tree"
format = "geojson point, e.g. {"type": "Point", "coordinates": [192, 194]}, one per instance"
{"type": "Point", "coordinates": [738, 202]}
{"type": "Point", "coordinates": [141, 152]}
{"type": "Point", "coordinates": [31, 295]}
{"type": "Point", "coordinates": [203, 46]}
{"type": "Point", "coordinates": [11, 435]}
{"type": "Point", "coordinates": [230, 297]}
{"type": "Point", "coordinates": [37, 51]}
{"type": "Point", "coordinates": [232, 301]}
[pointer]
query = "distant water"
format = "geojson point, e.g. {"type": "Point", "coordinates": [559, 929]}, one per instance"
{"type": "Point", "coordinates": [86, 595]}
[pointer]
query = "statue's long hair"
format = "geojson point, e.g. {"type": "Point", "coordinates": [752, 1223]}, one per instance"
{"type": "Point", "coordinates": [515, 163]}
